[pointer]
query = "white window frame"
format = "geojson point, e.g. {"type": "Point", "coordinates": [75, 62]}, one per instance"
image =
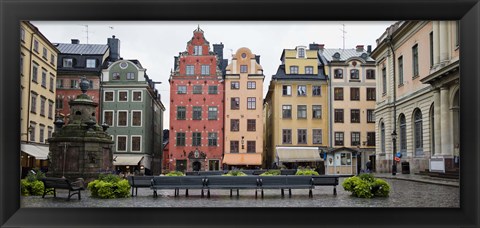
{"type": "Point", "coordinates": [126, 143]}
{"type": "Point", "coordinates": [141, 95]}
{"type": "Point", "coordinates": [67, 60]}
{"type": "Point", "coordinates": [88, 63]}
{"type": "Point", "coordinates": [108, 91]}
{"type": "Point", "coordinates": [141, 118]}
{"type": "Point", "coordinates": [313, 136]}
{"type": "Point", "coordinates": [113, 117]}
{"type": "Point", "coordinates": [188, 72]}
{"type": "Point", "coordinates": [131, 143]}
{"type": "Point", "coordinates": [118, 119]}
{"type": "Point", "coordinates": [118, 95]}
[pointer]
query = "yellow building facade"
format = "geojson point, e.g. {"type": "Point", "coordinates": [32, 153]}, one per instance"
{"type": "Point", "coordinates": [296, 111]}
{"type": "Point", "coordinates": [38, 70]}
{"type": "Point", "coordinates": [243, 111]}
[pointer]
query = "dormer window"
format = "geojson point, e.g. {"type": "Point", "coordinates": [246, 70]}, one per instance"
{"type": "Point", "coordinates": [91, 63]}
{"type": "Point", "coordinates": [301, 52]}
{"type": "Point", "coordinates": [197, 50]}
{"type": "Point", "coordinates": [68, 62]}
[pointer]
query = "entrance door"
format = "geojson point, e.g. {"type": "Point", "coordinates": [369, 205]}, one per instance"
{"type": "Point", "coordinates": [196, 166]}
{"type": "Point", "coordinates": [181, 165]}
{"type": "Point", "coordinates": [213, 165]}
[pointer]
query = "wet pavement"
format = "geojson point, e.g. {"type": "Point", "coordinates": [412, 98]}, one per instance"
{"type": "Point", "coordinates": [404, 193]}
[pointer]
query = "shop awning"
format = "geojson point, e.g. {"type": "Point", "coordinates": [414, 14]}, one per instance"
{"type": "Point", "coordinates": [37, 151]}
{"type": "Point", "coordinates": [121, 159]}
{"type": "Point", "coordinates": [298, 154]}
{"type": "Point", "coordinates": [243, 159]}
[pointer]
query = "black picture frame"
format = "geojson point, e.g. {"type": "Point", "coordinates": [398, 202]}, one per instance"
{"type": "Point", "coordinates": [468, 11]}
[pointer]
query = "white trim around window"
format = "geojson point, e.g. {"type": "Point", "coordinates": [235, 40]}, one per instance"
{"type": "Point", "coordinates": [141, 95]}
{"type": "Point", "coordinates": [113, 117]}
{"type": "Point", "coordinates": [126, 143]}
{"type": "Point", "coordinates": [118, 95]}
{"type": "Point", "coordinates": [118, 118]}
{"type": "Point", "coordinates": [108, 91]}
{"type": "Point", "coordinates": [131, 143]}
{"type": "Point", "coordinates": [141, 118]}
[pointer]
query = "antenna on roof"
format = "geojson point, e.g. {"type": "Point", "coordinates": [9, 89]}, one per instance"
{"type": "Point", "coordinates": [343, 35]}
{"type": "Point", "coordinates": [86, 30]}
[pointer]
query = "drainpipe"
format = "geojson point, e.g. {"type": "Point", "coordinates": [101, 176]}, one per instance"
{"type": "Point", "coordinates": [29, 86]}
{"type": "Point", "coordinates": [394, 132]}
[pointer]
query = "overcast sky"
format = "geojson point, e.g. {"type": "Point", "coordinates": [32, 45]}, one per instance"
{"type": "Point", "coordinates": [155, 44]}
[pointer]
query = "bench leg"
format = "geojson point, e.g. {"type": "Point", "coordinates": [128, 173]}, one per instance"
{"type": "Point", "coordinates": [208, 193]}
{"type": "Point", "coordinates": [290, 192]}
{"type": "Point", "coordinates": [186, 192]}
{"type": "Point", "coordinates": [79, 195]}
{"type": "Point", "coordinates": [44, 192]}
{"type": "Point", "coordinates": [230, 192]}
{"type": "Point", "coordinates": [132, 190]}
{"type": "Point", "coordinates": [136, 191]}
{"type": "Point", "coordinates": [335, 190]}
{"type": "Point", "coordinates": [54, 193]}
{"type": "Point", "coordinates": [202, 193]}
{"type": "Point", "coordinates": [256, 193]}
{"type": "Point", "coordinates": [283, 194]}
{"type": "Point", "coordinates": [262, 193]}
{"type": "Point", "coordinates": [68, 199]}
{"type": "Point", "coordinates": [310, 193]}
{"type": "Point", "coordinates": [238, 192]}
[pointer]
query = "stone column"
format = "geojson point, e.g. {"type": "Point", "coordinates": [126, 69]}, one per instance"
{"type": "Point", "coordinates": [443, 41]}
{"type": "Point", "coordinates": [437, 123]}
{"type": "Point", "coordinates": [436, 43]}
{"type": "Point", "coordinates": [445, 123]}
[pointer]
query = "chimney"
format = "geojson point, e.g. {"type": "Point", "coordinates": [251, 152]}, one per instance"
{"type": "Point", "coordinates": [218, 49]}
{"type": "Point", "coordinates": [321, 47]}
{"type": "Point", "coordinates": [114, 45]}
{"type": "Point", "coordinates": [360, 48]}
{"type": "Point", "coordinates": [257, 58]}
{"type": "Point", "coordinates": [369, 49]}
{"type": "Point", "coordinates": [75, 41]}
{"type": "Point", "coordinates": [313, 46]}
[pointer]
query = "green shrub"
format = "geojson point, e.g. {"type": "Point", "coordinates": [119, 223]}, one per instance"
{"type": "Point", "coordinates": [274, 172]}
{"type": "Point", "coordinates": [32, 184]}
{"type": "Point", "coordinates": [109, 178]}
{"type": "Point", "coordinates": [306, 172]}
{"type": "Point", "coordinates": [235, 173]}
{"type": "Point", "coordinates": [366, 186]}
{"type": "Point", "coordinates": [175, 173]}
{"type": "Point", "coordinates": [109, 187]}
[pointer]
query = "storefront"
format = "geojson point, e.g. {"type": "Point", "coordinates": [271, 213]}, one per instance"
{"type": "Point", "coordinates": [341, 161]}
{"type": "Point", "coordinates": [132, 164]}
{"type": "Point", "coordinates": [294, 157]}
{"type": "Point", "coordinates": [242, 160]}
{"type": "Point", "coordinates": [33, 156]}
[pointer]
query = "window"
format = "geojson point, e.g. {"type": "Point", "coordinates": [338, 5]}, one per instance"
{"type": "Point", "coordinates": [345, 159]}
{"type": "Point", "coordinates": [301, 53]}
{"type": "Point", "coordinates": [59, 103]}
{"type": "Point", "coordinates": [181, 112]}
{"type": "Point", "coordinates": [181, 89]}
{"type": "Point", "coordinates": [251, 147]}
{"type": "Point", "coordinates": [212, 139]}
{"type": "Point", "coordinates": [338, 94]}
{"type": "Point", "coordinates": [212, 113]}
{"type": "Point", "coordinates": [355, 139]}
{"type": "Point", "coordinates": [234, 147]}
{"type": "Point", "coordinates": [60, 83]}
{"type": "Point", "coordinates": [197, 112]}
{"type": "Point", "coordinates": [415, 60]}
{"type": "Point", "coordinates": [35, 46]}
{"type": "Point", "coordinates": [400, 70]}
{"type": "Point", "coordinates": [50, 130]}
{"type": "Point", "coordinates": [234, 125]}
{"type": "Point", "coordinates": [136, 118]}
{"type": "Point", "coordinates": [51, 83]}
{"type": "Point", "coordinates": [121, 143]}
{"type": "Point", "coordinates": [21, 64]}
{"type": "Point", "coordinates": [35, 73]}
{"type": "Point", "coordinates": [287, 136]}
{"type": "Point", "coordinates": [431, 49]}
{"type": "Point", "coordinates": [67, 62]}
{"type": "Point", "coordinates": [338, 138]}
{"type": "Point", "coordinates": [301, 111]}
{"type": "Point", "coordinates": [370, 116]}
{"type": "Point", "coordinates": [251, 125]}
{"type": "Point", "coordinates": [205, 70]}
{"type": "Point", "coordinates": [212, 89]}
{"type": "Point", "coordinates": [73, 84]}
{"type": "Point", "coordinates": [91, 63]}
{"type": "Point", "coordinates": [45, 53]}
{"type": "Point", "coordinates": [197, 50]}
{"type": "Point", "coordinates": [384, 80]}
{"type": "Point", "coordinates": [42, 105]}
{"type": "Point", "coordinates": [50, 109]}
{"type": "Point", "coordinates": [44, 79]}
{"type": "Point", "coordinates": [251, 85]}
{"type": "Point", "coordinates": [338, 73]}
{"type": "Point", "coordinates": [116, 76]}
{"type": "Point", "coordinates": [354, 94]}
{"type": "Point", "coordinates": [108, 118]}
{"type": "Point", "coordinates": [235, 85]}
{"type": "Point", "coordinates": [52, 59]}
{"type": "Point", "coordinates": [243, 69]}
{"type": "Point", "coordinates": [418, 132]}
{"type": "Point", "coordinates": [196, 139]}
{"type": "Point", "coordinates": [382, 132]}
{"type": "Point", "coordinates": [316, 111]}
{"type": "Point", "coordinates": [130, 76]}
{"type": "Point", "coordinates": [308, 70]}
{"type": "Point", "coordinates": [197, 89]}
{"type": "Point", "coordinates": [33, 103]}
{"type": "Point", "coordinates": [32, 132]}
{"type": "Point", "coordinates": [355, 116]}
{"type": "Point", "coordinates": [190, 69]}
{"type": "Point", "coordinates": [180, 139]}
{"type": "Point", "coordinates": [122, 119]}
{"type": "Point", "coordinates": [235, 103]}
{"type": "Point", "coordinates": [302, 136]}
{"type": "Point", "coordinates": [22, 34]}
{"type": "Point", "coordinates": [317, 136]}
{"type": "Point", "coordinates": [316, 90]}
{"type": "Point", "coordinates": [370, 74]}
{"type": "Point", "coordinates": [108, 96]}
{"type": "Point", "coordinates": [286, 111]}
{"type": "Point", "coordinates": [287, 90]}
{"type": "Point", "coordinates": [354, 74]}
{"type": "Point", "coordinates": [302, 90]}
{"type": "Point", "coordinates": [136, 143]}
{"type": "Point", "coordinates": [251, 103]}
{"type": "Point", "coordinates": [371, 94]}
{"type": "Point", "coordinates": [293, 69]}
{"type": "Point", "coordinates": [371, 138]}
{"type": "Point", "coordinates": [338, 115]}
{"type": "Point", "coordinates": [122, 96]}
{"type": "Point", "coordinates": [137, 96]}
{"type": "Point", "coordinates": [403, 134]}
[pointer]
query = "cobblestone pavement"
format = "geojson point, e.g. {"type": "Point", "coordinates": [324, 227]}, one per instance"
{"type": "Point", "coordinates": [403, 194]}
{"type": "Point", "coordinates": [420, 178]}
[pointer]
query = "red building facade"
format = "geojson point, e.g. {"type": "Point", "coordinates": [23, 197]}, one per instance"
{"type": "Point", "coordinates": [197, 107]}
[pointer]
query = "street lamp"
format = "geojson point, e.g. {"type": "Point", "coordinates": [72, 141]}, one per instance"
{"type": "Point", "coordinates": [394, 164]}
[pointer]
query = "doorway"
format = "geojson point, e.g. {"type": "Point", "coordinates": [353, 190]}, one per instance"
{"type": "Point", "coordinates": [181, 165]}
{"type": "Point", "coordinates": [196, 165]}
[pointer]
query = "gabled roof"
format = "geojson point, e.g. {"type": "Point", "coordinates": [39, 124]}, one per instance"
{"type": "Point", "coordinates": [82, 49]}
{"type": "Point", "coordinates": [345, 54]}
{"type": "Point", "coordinates": [282, 75]}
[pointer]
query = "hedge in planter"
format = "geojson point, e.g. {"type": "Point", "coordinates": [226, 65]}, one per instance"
{"type": "Point", "coordinates": [366, 186]}
{"type": "Point", "coordinates": [175, 173]}
{"type": "Point", "coordinates": [274, 172]}
{"type": "Point", "coordinates": [306, 172]}
{"type": "Point", "coordinates": [32, 184]}
{"type": "Point", "coordinates": [235, 173]}
{"type": "Point", "coordinates": [109, 187]}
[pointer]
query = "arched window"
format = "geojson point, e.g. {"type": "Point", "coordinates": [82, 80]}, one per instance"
{"type": "Point", "coordinates": [418, 132]}
{"type": "Point", "coordinates": [403, 135]}
{"type": "Point", "coordinates": [382, 131]}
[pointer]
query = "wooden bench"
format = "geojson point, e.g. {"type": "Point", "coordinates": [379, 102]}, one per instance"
{"type": "Point", "coordinates": [74, 188]}
{"type": "Point", "coordinates": [192, 182]}
{"type": "Point", "coordinates": [286, 182]}
{"type": "Point", "coordinates": [231, 183]}
{"type": "Point", "coordinates": [326, 181]}
{"type": "Point", "coordinates": [139, 182]}
{"type": "Point", "coordinates": [288, 171]}
{"type": "Point", "coordinates": [165, 182]}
